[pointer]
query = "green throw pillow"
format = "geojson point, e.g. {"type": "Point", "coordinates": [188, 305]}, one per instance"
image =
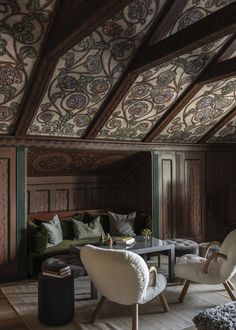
{"type": "Point", "coordinates": [67, 226]}
{"type": "Point", "coordinates": [37, 237]}
{"type": "Point", "coordinates": [87, 230]}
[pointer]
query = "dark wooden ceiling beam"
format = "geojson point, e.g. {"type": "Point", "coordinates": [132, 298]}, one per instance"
{"type": "Point", "coordinates": [109, 106]}
{"type": "Point", "coordinates": [218, 71]}
{"type": "Point", "coordinates": [167, 21]}
{"type": "Point", "coordinates": [218, 126]}
{"type": "Point", "coordinates": [83, 17]}
{"type": "Point", "coordinates": [172, 112]}
{"type": "Point", "coordinates": [194, 36]}
{"type": "Point", "coordinates": [58, 42]}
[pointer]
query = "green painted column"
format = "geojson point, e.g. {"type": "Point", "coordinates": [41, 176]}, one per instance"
{"type": "Point", "coordinates": [155, 195]}
{"type": "Point", "coordinates": [20, 211]}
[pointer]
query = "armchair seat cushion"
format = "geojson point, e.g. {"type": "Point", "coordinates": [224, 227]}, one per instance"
{"type": "Point", "coordinates": [153, 291]}
{"type": "Point", "coordinates": [190, 266]}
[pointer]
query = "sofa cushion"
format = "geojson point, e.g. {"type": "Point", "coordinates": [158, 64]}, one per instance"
{"type": "Point", "coordinates": [104, 219]}
{"type": "Point", "coordinates": [122, 224]}
{"type": "Point", "coordinates": [54, 230]}
{"type": "Point", "coordinates": [37, 237]}
{"type": "Point", "coordinates": [67, 226]}
{"type": "Point", "coordinates": [87, 230]}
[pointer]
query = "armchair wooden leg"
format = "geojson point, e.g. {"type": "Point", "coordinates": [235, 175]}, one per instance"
{"type": "Point", "coordinates": [230, 285]}
{"type": "Point", "coordinates": [135, 317]}
{"type": "Point", "coordinates": [227, 288]}
{"type": "Point", "coordinates": [97, 309]}
{"type": "Point", "coordinates": [164, 302]}
{"type": "Point", "coordinates": [184, 291]}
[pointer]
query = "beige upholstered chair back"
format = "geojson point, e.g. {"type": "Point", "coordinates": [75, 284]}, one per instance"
{"type": "Point", "coordinates": [228, 247]}
{"type": "Point", "coordinates": [120, 275]}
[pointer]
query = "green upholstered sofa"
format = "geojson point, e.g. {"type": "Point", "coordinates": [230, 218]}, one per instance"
{"type": "Point", "coordinates": [37, 251]}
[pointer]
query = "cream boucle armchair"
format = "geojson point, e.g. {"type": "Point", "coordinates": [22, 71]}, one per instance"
{"type": "Point", "coordinates": [123, 277]}
{"type": "Point", "coordinates": [218, 268]}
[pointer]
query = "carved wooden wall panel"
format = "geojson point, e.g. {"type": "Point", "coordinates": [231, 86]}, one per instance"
{"type": "Point", "coordinates": [190, 219]}
{"type": "Point", "coordinates": [193, 183]}
{"type": "Point", "coordinates": [42, 200]}
{"type": "Point", "coordinates": [167, 194]}
{"type": "Point", "coordinates": [180, 200]}
{"type": "Point", "coordinates": [61, 199]}
{"type": "Point", "coordinates": [79, 200]}
{"type": "Point", "coordinates": [8, 226]}
{"type": "Point", "coordinates": [137, 186]}
{"type": "Point", "coordinates": [73, 193]}
{"type": "Point", "coordinates": [4, 224]}
{"type": "Point", "coordinates": [128, 190]}
{"type": "Point", "coordinates": [98, 197]}
{"type": "Point", "coordinates": [114, 197]}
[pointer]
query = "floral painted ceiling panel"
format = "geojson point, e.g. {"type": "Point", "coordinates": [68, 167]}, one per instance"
{"type": "Point", "coordinates": [204, 111]}
{"type": "Point", "coordinates": [86, 74]}
{"type": "Point", "coordinates": [22, 28]}
{"type": "Point", "coordinates": [193, 11]}
{"type": "Point", "coordinates": [154, 92]}
{"type": "Point", "coordinates": [226, 134]}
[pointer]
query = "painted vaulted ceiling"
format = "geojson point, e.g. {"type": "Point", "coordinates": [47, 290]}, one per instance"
{"type": "Point", "coordinates": [140, 71]}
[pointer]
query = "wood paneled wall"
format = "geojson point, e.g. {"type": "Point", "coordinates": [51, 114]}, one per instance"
{"type": "Point", "coordinates": [196, 194]}
{"type": "Point", "coordinates": [8, 226]}
{"type": "Point", "coordinates": [130, 190]}
{"type": "Point", "coordinates": [221, 193]}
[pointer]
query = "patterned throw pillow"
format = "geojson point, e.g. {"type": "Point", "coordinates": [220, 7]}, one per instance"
{"type": "Point", "coordinates": [54, 230]}
{"type": "Point", "coordinates": [87, 230]}
{"type": "Point", "coordinates": [122, 224]}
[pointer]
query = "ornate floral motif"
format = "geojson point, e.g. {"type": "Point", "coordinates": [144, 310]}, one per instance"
{"type": "Point", "coordinates": [153, 92]}
{"type": "Point", "coordinates": [22, 28]}
{"type": "Point", "coordinates": [205, 110]}
{"type": "Point", "coordinates": [49, 162]}
{"type": "Point", "coordinates": [86, 73]}
{"type": "Point", "coordinates": [226, 134]}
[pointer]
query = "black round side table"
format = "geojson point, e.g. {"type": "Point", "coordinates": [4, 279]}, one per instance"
{"type": "Point", "coordinates": [55, 299]}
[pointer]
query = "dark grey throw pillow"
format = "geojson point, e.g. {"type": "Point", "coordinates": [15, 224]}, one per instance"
{"type": "Point", "coordinates": [87, 230]}
{"type": "Point", "coordinates": [122, 224]}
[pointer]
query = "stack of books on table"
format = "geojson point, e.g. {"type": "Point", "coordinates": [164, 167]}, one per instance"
{"type": "Point", "coordinates": [125, 240]}
{"type": "Point", "coordinates": [56, 269]}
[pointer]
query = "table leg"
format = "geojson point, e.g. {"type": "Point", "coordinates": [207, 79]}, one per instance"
{"type": "Point", "coordinates": [144, 256]}
{"type": "Point", "coordinates": [171, 264]}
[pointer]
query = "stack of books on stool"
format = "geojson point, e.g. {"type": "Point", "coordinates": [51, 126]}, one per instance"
{"type": "Point", "coordinates": [57, 269]}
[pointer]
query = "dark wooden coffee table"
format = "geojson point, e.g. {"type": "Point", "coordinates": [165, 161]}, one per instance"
{"type": "Point", "coordinates": [146, 249]}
